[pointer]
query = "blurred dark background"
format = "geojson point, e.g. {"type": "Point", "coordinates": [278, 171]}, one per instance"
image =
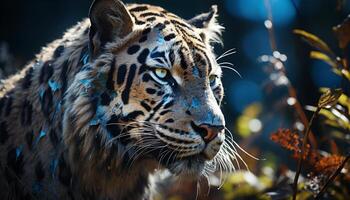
{"type": "Point", "coordinates": [26, 26]}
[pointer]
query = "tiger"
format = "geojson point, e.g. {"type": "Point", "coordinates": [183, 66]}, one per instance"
{"type": "Point", "coordinates": [126, 93]}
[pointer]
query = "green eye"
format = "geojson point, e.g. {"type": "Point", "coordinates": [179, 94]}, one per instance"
{"type": "Point", "coordinates": [161, 73]}
{"type": "Point", "coordinates": [213, 80]}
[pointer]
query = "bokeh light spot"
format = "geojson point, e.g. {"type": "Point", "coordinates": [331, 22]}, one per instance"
{"type": "Point", "coordinates": [283, 11]}
{"type": "Point", "coordinates": [242, 93]}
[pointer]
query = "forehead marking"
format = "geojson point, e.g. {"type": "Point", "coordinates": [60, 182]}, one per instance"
{"type": "Point", "coordinates": [126, 91]}
{"type": "Point", "coordinates": [195, 71]}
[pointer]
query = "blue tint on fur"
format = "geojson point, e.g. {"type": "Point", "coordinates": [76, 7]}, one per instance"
{"type": "Point", "coordinates": [160, 39]}
{"type": "Point", "coordinates": [54, 85]}
{"type": "Point", "coordinates": [53, 167]}
{"type": "Point", "coordinates": [41, 135]}
{"type": "Point", "coordinates": [195, 71]}
{"type": "Point", "coordinates": [19, 151]}
{"type": "Point", "coordinates": [195, 103]}
{"type": "Point", "coordinates": [87, 83]}
{"type": "Point", "coordinates": [85, 58]}
{"type": "Point", "coordinates": [41, 92]}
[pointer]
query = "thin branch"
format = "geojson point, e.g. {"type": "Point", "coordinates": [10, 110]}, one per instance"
{"type": "Point", "coordinates": [300, 160]}
{"type": "Point", "coordinates": [331, 179]}
{"type": "Point", "coordinates": [291, 90]}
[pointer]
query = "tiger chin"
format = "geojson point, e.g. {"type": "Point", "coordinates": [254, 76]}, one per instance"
{"type": "Point", "coordinates": [128, 92]}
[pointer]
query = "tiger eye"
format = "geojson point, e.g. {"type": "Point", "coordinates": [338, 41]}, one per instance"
{"type": "Point", "coordinates": [161, 73]}
{"type": "Point", "coordinates": [212, 79]}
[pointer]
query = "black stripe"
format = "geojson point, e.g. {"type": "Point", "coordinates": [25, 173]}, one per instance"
{"type": "Point", "coordinates": [155, 109]}
{"type": "Point", "coordinates": [105, 99]}
{"type": "Point", "coordinates": [142, 69]}
{"type": "Point", "coordinates": [39, 171]}
{"type": "Point", "coordinates": [151, 19]}
{"type": "Point", "coordinates": [151, 90]}
{"type": "Point", "coordinates": [126, 91]}
{"type": "Point", "coordinates": [169, 37]}
{"type": "Point", "coordinates": [26, 113]}
{"type": "Point", "coordinates": [64, 171]}
{"type": "Point", "coordinates": [181, 24]}
{"type": "Point", "coordinates": [121, 74]}
{"type": "Point", "coordinates": [8, 105]}
{"type": "Point", "coordinates": [63, 76]}
{"type": "Point", "coordinates": [2, 104]}
{"type": "Point", "coordinates": [164, 112]}
{"type": "Point", "coordinates": [146, 77]}
{"type": "Point", "coordinates": [143, 38]}
{"type": "Point", "coordinates": [3, 133]}
{"type": "Point", "coordinates": [27, 81]}
{"type": "Point", "coordinates": [146, 14]}
{"type": "Point", "coordinates": [113, 126]}
{"type": "Point", "coordinates": [183, 62]}
{"type": "Point", "coordinates": [54, 138]}
{"type": "Point", "coordinates": [110, 82]}
{"type": "Point", "coordinates": [158, 54]}
{"type": "Point", "coordinates": [172, 57]}
{"type": "Point", "coordinates": [47, 102]}
{"type": "Point", "coordinates": [138, 22]}
{"type": "Point", "coordinates": [146, 106]}
{"type": "Point", "coordinates": [15, 161]}
{"type": "Point", "coordinates": [207, 58]}
{"type": "Point", "coordinates": [133, 115]}
{"type": "Point", "coordinates": [133, 49]}
{"type": "Point", "coordinates": [58, 51]}
{"type": "Point", "coordinates": [169, 120]}
{"type": "Point", "coordinates": [46, 72]}
{"type": "Point", "coordinates": [29, 139]}
{"type": "Point", "coordinates": [173, 139]}
{"type": "Point", "coordinates": [139, 9]}
{"type": "Point", "coordinates": [146, 31]}
{"type": "Point", "coordinates": [169, 104]}
{"type": "Point", "coordinates": [190, 35]}
{"type": "Point", "coordinates": [143, 56]}
{"type": "Point", "coordinates": [160, 26]}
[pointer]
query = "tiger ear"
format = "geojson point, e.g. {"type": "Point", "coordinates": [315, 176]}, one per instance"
{"type": "Point", "coordinates": [211, 30]}
{"type": "Point", "coordinates": [110, 20]}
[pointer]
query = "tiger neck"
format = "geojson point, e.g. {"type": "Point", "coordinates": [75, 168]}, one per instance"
{"type": "Point", "coordinates": [134, 183]}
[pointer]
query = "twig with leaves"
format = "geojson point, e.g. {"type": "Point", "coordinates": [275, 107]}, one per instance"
{"type": "Point", "coordinates": [328, 99]}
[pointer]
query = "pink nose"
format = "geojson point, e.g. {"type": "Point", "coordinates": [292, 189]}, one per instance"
{"type": "Point", "coordinates": [207, 131]}
{"type": "Point", "coordinates": [211, 131]}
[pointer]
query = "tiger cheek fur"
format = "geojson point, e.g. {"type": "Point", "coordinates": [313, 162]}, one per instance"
{"type": "Point", "coordinates": [128, 91]}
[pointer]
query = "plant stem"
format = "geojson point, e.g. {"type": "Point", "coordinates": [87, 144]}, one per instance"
{"type": "Point", "coordinates": [299, 109]}
{"type": "Point", "coordinates": [291, 90]}
{"type": "Point", "coordinates": [300, 160]}
{"type": "Point", "coordinates": [334, 175]}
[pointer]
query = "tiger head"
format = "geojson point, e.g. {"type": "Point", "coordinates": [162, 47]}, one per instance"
{"type": "Point", "coordinates": [154, 86]}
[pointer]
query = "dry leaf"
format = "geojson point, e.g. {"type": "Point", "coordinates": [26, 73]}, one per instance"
{"type": "Point", "coordinates": [342, 32]}
{"type": "Point", "coordinates": [314, 41]}
{"type": "Point", "coordinates": [329, 98]}
{"type": "Point", "coordinates": [328, 165]}
{"type": "Point", "coordinates": [321, 56]}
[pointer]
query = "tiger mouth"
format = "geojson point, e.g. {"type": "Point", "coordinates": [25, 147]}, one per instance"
{"type": "Point", "coordinates": [193, 166]}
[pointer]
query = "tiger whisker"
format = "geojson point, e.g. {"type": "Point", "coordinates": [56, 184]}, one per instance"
{"type": "Point", "coordinates": [226, 53]}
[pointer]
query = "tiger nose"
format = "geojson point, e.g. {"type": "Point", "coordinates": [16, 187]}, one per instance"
{"type": "Point", "coordinates": [208, 131]}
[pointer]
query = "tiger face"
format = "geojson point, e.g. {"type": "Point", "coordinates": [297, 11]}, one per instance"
{"type": "Point", "coordinates": [172, 101]}
{"type": "Point", "coordinates": [161, 87]}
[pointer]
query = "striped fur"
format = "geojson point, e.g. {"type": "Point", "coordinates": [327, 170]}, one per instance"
{"type": "Point", "coordinates": [91, 119]}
